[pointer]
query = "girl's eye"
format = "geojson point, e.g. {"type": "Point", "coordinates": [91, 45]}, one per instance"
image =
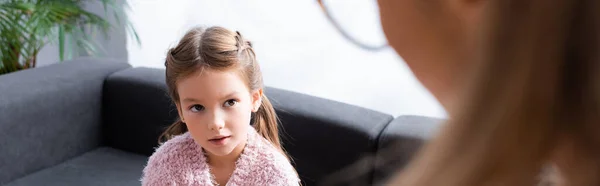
{"type": "Point", "coordinates": [230, 103]}
{"type": "Point", "coordinates": [196, 108]}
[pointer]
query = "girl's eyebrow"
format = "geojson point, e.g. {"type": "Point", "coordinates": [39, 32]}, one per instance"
{"type": "Point", "coordinates": [230, 94]}
{"type": "Point", "coordinates": [190, 100]}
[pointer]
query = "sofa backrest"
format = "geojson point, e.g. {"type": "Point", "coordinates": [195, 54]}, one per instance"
{"type": "Point", "coordinates": [321, 136]}
{"type": "Point", "coordinates": [136, 109]}
{"type": "Point", "coordinates": [324, 137]}
{"type": "Point", "coordinates": [399, 142]}
{"type": "Point", "coordinates": [50, 114]}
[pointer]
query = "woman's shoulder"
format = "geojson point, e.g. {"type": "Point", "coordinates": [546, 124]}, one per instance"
{"type": "Point", "coordinates": [174, 159]}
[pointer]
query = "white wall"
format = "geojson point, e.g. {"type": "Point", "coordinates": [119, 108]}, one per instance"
{"type": "Point", "coordinates": [297, 48]}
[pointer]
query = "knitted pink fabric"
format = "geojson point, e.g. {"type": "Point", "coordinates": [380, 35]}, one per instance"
{"type": "Point", "coordinates": [180, 161]}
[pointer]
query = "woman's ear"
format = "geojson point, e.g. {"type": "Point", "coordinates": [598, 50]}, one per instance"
{"type": "Point", "coordinates": [256, 99]}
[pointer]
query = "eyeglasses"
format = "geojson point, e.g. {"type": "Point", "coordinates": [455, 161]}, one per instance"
{"type": "Point", "coordinates": [357, 20]}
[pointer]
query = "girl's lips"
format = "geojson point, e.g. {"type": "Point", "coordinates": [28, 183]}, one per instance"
{"type": "Point", "coordinates": [219, 141]}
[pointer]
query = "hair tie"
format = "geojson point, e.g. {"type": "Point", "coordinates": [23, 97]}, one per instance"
{"type": "Point", "coordinates": [240, 42]}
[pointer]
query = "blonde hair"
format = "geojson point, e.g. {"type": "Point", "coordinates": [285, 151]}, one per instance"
{"type": "Point", "coordinates": [538, 83]}
{"type": "Point", "coordinates": [217, 48]}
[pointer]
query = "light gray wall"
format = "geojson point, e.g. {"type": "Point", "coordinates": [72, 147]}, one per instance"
{"type": "Point", "coordinates": [48, 55]}
{"type": "Point", "coordinates": [115, 46]}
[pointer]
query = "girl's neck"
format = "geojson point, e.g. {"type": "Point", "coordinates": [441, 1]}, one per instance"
{"type": "Point", "coordinates": [222, 167]}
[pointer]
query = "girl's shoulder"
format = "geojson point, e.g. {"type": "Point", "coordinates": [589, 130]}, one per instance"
{"type": "Point", "coordinates": [176, 150]}
{"type": "Point", "coordinates": [269, 155]}
{"type": "Point", "coordinates": [263, 151]}
{"type": "Point", "coordinates": [174, 161]}
{"type": "Point", "coordinates": [277, 168]}
{"type": "Point", "coordinates": [266, 164]}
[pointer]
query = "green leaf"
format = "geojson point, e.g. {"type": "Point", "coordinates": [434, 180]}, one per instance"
{"type": "Point", "coordinates": [134, 33]}
{"type": "Point", "coordinates": [89, 47]}
{"type": "Point", "coordinates": [61, 43]}
{"type": "Point", "coordinates": [28, 25]}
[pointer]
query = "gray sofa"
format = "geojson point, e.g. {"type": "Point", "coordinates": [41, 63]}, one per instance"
{"type": "Point", "coordinates": [95, 122]}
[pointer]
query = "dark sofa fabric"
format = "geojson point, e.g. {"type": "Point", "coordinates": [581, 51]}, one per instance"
{"type": "Point", "coordinates": [399, 141]}
{"type": "Point", "coordinates": [100, 167]}
{"type": "Point", "coordinates": [324, 136]}
{"type": "Point", "coordinates": [136, 109]}
{"type": "Point", "coordinates": [50, 114]}
{"type": "Point", "coordinates": [90, 122]}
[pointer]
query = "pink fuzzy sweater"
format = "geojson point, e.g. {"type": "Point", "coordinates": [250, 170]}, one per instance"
{"type": "Point", "coordinates": [181, 161]}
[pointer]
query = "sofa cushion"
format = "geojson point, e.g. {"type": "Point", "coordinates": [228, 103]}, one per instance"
{"type": "Point", "coordinates": [102, 166]}
{"type": "Point", "coordinates": [50, 114]}
{"type": "Point", "coordinates": [399, 141]}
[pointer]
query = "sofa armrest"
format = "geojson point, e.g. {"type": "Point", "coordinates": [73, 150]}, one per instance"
{"type": "Point", "coordinates": [50, 114]}
{"type": "Point", "coordinates": [399, 141]}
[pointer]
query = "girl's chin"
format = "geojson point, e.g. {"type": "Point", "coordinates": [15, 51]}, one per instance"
{"type": "Point", "coordinates": [220, 150]}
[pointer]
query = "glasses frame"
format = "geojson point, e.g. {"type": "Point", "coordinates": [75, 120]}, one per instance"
{"type": "Point", "coordinates": [348, 36]}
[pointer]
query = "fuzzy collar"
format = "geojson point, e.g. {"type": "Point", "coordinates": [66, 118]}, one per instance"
{"type": "Point", "coordinates": [181, 161]}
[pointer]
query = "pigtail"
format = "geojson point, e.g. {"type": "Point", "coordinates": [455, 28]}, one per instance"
{"type": "Point", "coordinates": [265, 122]}
{"type": "Point", "coordinates": [173, 130]}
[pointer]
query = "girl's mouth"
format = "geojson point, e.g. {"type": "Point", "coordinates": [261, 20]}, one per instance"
{"type": "Point", "coordinates": [219, 140]}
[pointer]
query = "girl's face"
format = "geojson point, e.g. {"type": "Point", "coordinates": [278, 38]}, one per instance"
{"type": "Point", "coordinates": [216, 107]}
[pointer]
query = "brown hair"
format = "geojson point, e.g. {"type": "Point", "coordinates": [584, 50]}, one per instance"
{"type": "Point", "coordinates": [218, 48]}
{"type": "Point", "coordinates": [538, 84]}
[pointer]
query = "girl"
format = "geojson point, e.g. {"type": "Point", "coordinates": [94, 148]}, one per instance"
{"type": "Point", "coordinates": [216, 84]}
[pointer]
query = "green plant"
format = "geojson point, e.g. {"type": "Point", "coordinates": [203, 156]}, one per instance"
{"type": "Point", "coordinates": [28, 25]}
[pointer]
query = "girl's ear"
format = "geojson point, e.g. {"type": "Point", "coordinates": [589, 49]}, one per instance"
{"type": "Point", "coordinates": [256, 99]}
